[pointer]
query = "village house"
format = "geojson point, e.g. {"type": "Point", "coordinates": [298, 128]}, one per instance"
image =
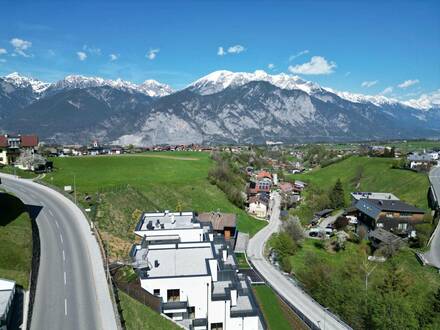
{"type": "Point", "coordinates": [11, 147]}
{"type": "Point", "coordinates": [422, 160]}
{"type": "Point", "coordinates": [392, 215]}
{"type": "Point", "coordinates": [259, 205]}
{"type": "Point", "coordinates": [222, 223]}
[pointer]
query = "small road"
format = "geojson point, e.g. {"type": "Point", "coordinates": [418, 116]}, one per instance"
{"type": "Point", "coordinates": [329, 220]}
{"type": "Point", "coordinates": [317, 314]}
{"type": "Point", "coordinates": [433, 255]}
{"type": "Point", "coordinates": [72, 291]}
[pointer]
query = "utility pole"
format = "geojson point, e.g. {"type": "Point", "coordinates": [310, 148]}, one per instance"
{"type": "Point", "coordinates": [368, 271]}
{"type": "Point", "coordinates": [74, 186]}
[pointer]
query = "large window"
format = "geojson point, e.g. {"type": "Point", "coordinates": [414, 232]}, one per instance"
{"type": "Point", "coordinates": [156, 292]}
{"type": "Point", "coordinates": [173, 295]}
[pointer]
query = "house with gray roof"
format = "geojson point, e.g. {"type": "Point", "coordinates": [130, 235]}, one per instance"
{"type": "Point", "coordinates": [7, 292]}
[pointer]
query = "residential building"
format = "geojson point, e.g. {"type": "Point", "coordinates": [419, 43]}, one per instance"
{"type": "Point", "coordinates": [222, 223]}
{"type": "Point", "coordinates": [7, 292]}
{"type": "Point", "coordinates": [392, 215]}
{"type": "Point", "coordinates": [355, 196]}
{"type": "Point", "coordinates": [197, 281]}
{"type": "Point", "coordinates": [258, 205]}
{"type": "Point", "coordinates": [173, 226]}
{"type": "Point", "coordinates": [11, 146]}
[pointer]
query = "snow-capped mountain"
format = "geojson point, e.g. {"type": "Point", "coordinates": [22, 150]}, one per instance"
{"type": "Point", "coordinates": [223, 106]}
{"type": "Point", "coordinates": [154, 88]}
{"type": "Point", "coordinates": [23, 82]}
{"type": "Point", "coordinates": [150, 87]}
{"type": "Point", "coordinates": [220, 80]}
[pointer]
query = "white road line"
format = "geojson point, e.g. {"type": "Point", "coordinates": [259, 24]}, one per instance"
{"type": "Point", "coordinates": [65, 306]}
{"type": "Point", "coordinates": [50, 212]}
{"type": "Point", "coordinates": [61, 237]}
{"type": "Point", "coordinates": [65, 281]}
{"type": "Point", "coordinates": [64, 256]}
{"type": "Point", "coordinates": [56, 222]}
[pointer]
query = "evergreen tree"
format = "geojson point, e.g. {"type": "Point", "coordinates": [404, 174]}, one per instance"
{"type": "Point", "coordinates": [337, 198]}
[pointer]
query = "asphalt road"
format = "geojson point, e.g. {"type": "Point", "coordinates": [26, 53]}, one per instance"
{"type": "Point", "coordinates": [72, 291]}
{"type": "Point", "coordinates": [281, 283]}
{"type": "Point", "coordinates": [433, 255]}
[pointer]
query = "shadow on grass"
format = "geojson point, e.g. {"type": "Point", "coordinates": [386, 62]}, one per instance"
{"type": "Point", "coordinates": [11, 208]}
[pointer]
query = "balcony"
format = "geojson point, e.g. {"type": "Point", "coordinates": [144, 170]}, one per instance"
{"type": "Point", "coordinates": [175, 307]}
{"type": "Point", "coordinates": [199, 324]}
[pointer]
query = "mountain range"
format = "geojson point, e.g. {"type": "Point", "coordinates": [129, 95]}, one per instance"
{"type": "Point", "coordinates": [222, 107]}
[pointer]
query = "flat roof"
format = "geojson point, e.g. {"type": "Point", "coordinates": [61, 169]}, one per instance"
{"type": "Point", "coordinates": [175, 262]}
{"type": "Point", "coordinates": [373, 195]}
{"type": "Point", "coordinates": [6, 295]}
{"type": "Point", "coordinates": [167, 220]}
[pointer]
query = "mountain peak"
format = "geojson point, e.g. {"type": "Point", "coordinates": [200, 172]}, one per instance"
{"type": "Point", "coordinates": [21, 81]}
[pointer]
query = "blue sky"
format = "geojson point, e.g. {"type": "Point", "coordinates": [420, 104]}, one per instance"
{"type": "Point", "coordinates": [356, 46]}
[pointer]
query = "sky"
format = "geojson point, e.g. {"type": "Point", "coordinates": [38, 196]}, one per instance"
{"type": "Point", "coordinates": [371, 47]}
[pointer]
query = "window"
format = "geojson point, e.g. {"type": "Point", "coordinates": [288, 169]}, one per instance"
{"type": "Point", "coordinates": [402, 226]}
{"type": "Point", "coordinates": [156, 292]}
{"type": "Point", "coordinates": [216, 326]}
{"type": "Point", "coordinates": [192, 312]}
{"type": "Point", "coordinates": [173, 295]}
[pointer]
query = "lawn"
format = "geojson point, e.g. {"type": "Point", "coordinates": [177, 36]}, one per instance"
{"type": "Point", "coordinates": [138, 316]}
{"type": "Point", "coordinates": [277, 314]}
{"type": "Point", "coordinates": [14, 170]}
{"type": "Point", "coordinates": [377, 175]}
{"type": "Point", "coordinates": [242, 262]}
{"type": "Point", "coordinates": [15, 240]}
{"type": "Point", "coordinates": [144, 182]}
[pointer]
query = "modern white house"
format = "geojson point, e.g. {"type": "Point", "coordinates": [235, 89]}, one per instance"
{"type": "Point", "coordinates": [198, 281]}
{"type": "Point", "coordinates": [7, 292]}
{"type": "Point", "coordinates": [180, 226]}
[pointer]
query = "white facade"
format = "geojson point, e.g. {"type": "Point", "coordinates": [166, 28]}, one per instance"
{"type": "Point", "coordinates": [197, 279]}
{"type": "Point", "coordinates": [258, 209]}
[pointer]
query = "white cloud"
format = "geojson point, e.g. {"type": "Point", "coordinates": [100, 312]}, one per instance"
{"type": "Point", "coordinates": [92, 50]}
{"type": "Point", "coordinates": [387, 90]}
{"type": "Point", "coordinates": [81, 56]}
{"type": "Point", "coordinates": [426, 101]}
{"type": "Point", "coordinates": [113, 57]}
{"type": "Point", "coordinates": [347, 73]}
{"type": "Point", "coordinates": [317, 65]}
{"type": "Point", "coordinates": [408, 83]}
{"type": "Point", "coordinates": [221, 51]}
{"type": "Point", "coordinates": [51, 52]}
{"type": "Point", "coordinates": [20, 46]}
{"type": "Point", "coordinates": [271, 66]}
{"type": "Point", "coordinates": [2, 60]}
{"type": "Point", "coordinates": [3, 51]}
{"type": "Point", "coordinates": [301, 53]}
{"type": "Point", "coordinates": [368, 84]}
{"type": "Point", "coordinates": [152, 53]}
{"type": "Point", "coordinates": [237, 49]}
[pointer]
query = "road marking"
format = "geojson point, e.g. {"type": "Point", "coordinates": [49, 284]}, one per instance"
{"type": "Point", "coordinates": [56, 222]}
{"type": "Point", "coordinates": [61, 237]}
{"type": "Point", "coordinates": [65, 306]}
{"type": "Point", "coordinates": [65, 281]}
{"type": "Point", "coordinates": [50, 212]}
{"type": "Point", "coordinates": [64, 256]}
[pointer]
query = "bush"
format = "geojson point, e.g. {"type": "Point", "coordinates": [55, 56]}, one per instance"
{"type": "Point", "coordinates": [340, 223]}
{"type": "Point", "coordinates": [319, 244]}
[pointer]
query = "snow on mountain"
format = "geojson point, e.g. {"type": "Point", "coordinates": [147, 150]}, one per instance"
{"type": "Point", "coordinates": [425, 101]}
{"type": "Point", "coordinates": [150, 87]}
{"type": "Point", "coordinates": [20, 81]}
{"type": "Point", "coordinates": [220, 80]}
{"type": "Point", "coordinates": [154, 88]}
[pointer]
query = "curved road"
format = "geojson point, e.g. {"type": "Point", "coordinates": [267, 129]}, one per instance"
{"type": "Point", "coordinates": [281, 283]}
{"type": "Point", "coordinates": [433, 255]}
{"type": "Point", "coordinates": [72, 291]}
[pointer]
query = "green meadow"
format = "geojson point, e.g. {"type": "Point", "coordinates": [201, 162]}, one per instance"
{"type": "Point", "coordinates": [122, 185]}
{"type": "Point", "coordinates": [15, 240]}
{"type": "Point", "coordinates": [376, 175]}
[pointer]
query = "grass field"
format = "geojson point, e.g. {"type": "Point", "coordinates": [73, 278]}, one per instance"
{"type": "Point", "coordinates": [242, 262]}
{"type": "Point", "coordinates": [140, 317]}
{"type": "Point", "coordinates": [144, 182]}
{"type": "Point", "coordinates": [377, 175]}
{"type": "Point", "coordinates": [277, 314]}
{"type": "Point", "coordinates": [15, 240]}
